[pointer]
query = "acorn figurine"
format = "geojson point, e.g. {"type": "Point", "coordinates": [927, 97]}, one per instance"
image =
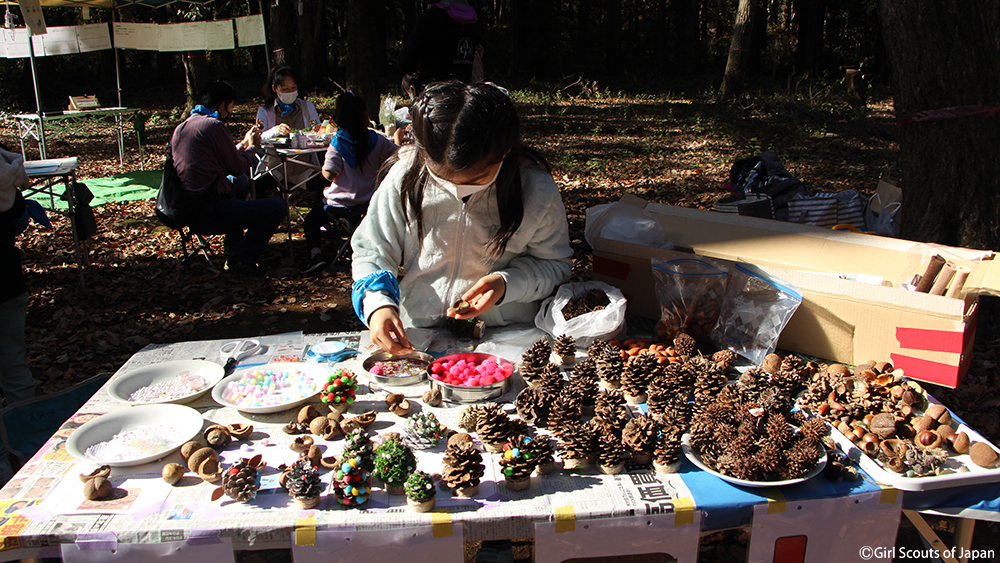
{"type": "Point", "coordinates": [241, 481]}
{"type": "Point", "coordinates": [420, 492]}
{"type": "Point", "coordinates": [339, 391]}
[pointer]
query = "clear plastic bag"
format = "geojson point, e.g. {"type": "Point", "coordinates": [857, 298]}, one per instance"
{"type": "Point", "coordinates": [690, 292]}
{"type": "Point", "coordinates": [603, 324]}
{"type": "Point", "coordinates": [755, 311]}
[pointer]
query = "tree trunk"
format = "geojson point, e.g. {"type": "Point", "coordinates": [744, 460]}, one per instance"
{"type": "Point", "coordinates": [282, 29]}
{"type": "Point", "coordinates": [736, 66]}
{"type": "Point", "coordinates": [942, 56]}
{"type": "Point", "coordinates": [195, 76]}
{"type": "Point", "coordinates": [365, 49]}
{"type": "Point", "coordinates": [809, 51]}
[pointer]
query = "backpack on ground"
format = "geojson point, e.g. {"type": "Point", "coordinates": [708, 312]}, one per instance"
{"type": "Point", "coordinates": [764, 174]}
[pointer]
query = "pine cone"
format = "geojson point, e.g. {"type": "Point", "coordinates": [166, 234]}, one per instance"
{"type": "Point", "coordinates": [582, 391]}
{"type": "Point", "coordinates": [614, 418]}
{"type": "Point", "coordinates": [241, 481]}
{"type": "Point", "coordinates": [358, 445]}
{"type": "Point", "coordinates": [726, 359]}
{"type": "Point", "coordinates": [303, 480]}
{"type": "Point", "coordinates": [463, 466]}
{"type": "Point", "coordinates": [564, 411]}
{"type": "Point", "coordinates": [610, 368]}
{"type": "Point", "coordinates": [576, 441]}
{"type": "Point", "coordinates": [668, 445]}
{"type": "Point", "coordinates": [610, 398]}
{"type": "Point", "coordinates": [550, 379]}
{"type": "Point", "coordinates": [469, 417]}
{"type": "Point", "coordinates": [565, 349]}
{"type": "Point", "coordinates": [535, 357]}
{"type": "Point", "coordinates": [640, 433]}
{"type": "Point", "coordinates": [422, 431]}
{"type": "Point", "coordinates": [517, 461]}
{"type": "Point", "coordinates": [533, 405]}
{"type": "Point", "coordinates": [518, 427]}
{"type": "Point", "coordinates": [685, 344]}
{"type": "Point", "coordinates": [420, 487]}
{"type": "Point", "coordinates": [541, 449]}
{"type": "Point", "coordinates": [352, 485]}
{"type": "Point", "coordinates": [610, 450]}
{"type": "Point", "coordinates": [639, 372]}
{"type": "Point", "coordinates": [493, 425]}
{"type": "Point", "coordinates": [394, 462]}
{"type": "Point", "coordinates": [586, 369]}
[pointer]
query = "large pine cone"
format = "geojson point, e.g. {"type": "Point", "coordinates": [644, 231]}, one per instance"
{"type": "Point", "coordinates": [241, 481]}
{"type": "Point", "coordinates": [463, 466]}
{"type": "Point", "coordinates": [583, 391]}
{"type": "Point", "coordinates": [614, 418]}
{"type": "Point", "coordinates": [565, 409]}
{"type": "Point", "coordinates": [564, 345]}
{"type": "Point", "coordinates": [541, 449]}
{"type": "Point", "coordinates": [609, 448]}
{"type": "Point", "coordinates": [610, 398]}
{"type": "Point", "coordinates": [550, 379]}
{"type": "Point", "coordinates": [534, 359]}
{"type": "Point", "coordinates": [576, 441]}
{"type": "Point", "coordinates": [358, 445]}
{"type": "Point", "coordinates": [640, 434]}
{"type": "Point", "coordinates": [303, 480]}
{"type": "Point", "coordinates": [685, 344]}
{"type": "Point", "coordinates": [533, 405]}
{"type": "Point", "coordinates": [639, 372]}
{"type": "Point", "coordinates": [586, 369]}
{"type": "Point", "coordinates": [668, 445]}
{"type": "Point", "coordinates": [726, 359]}
{"type": "Point", "coordinates": [610, 367]}
{"type": "Point", "coordinates": [493, 425]}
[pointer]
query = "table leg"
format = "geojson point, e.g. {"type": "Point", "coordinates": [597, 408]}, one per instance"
{"type": "Point", "coordinates": [71, 209]}
{"type": "Point", "coordinates": [964, 529]}
{"type": "Point", "coordinates": [932, 538]}
{"type": "Point", "coordinates": [286, 194]}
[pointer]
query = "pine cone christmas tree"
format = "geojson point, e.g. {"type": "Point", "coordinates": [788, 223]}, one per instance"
{"type": "Point", "coordinates": [565, 350]}
{"type": "Point", "coordinates": [352, 486]}
{"type": "Point", "coordinates": [303, 483]}
{"type": "Point", "coordinates": [493, 428]}
{"type": "Point", "coordinates": [358, 445]}
{"type": "Point", "coordinates": [422, 431]}
{"type": "Point", "coordinates": [542, 449]}
{"type": "Point", "coordinates": [469, 417]}
{"type": "Point", "coordinates": [241, 481]}
{"type": "Point", "coordinates": [463, 468]}
{"type": "Point", "coordinates": [564, 411]}
{"type": "Point", "coordinates": [639, 437]}
{"type": "Point", "coordinates": [667, 456]}
{"type": "Point", "coordinates": [685, 345]}
{"type": "Point", "coordinates": [639, 372]}
{"type": "Point", "coordinates": [420, 491]}
{"type": "Point", "coordinates": [517, 463]}
{"type": "Point", "coordinates": [394, 462]}
{"type": "Point", "coordinates": [576, 443]}
{"type": "Point", "coordinates": [550, 379]}
{"type": "Point", "coordinates": [610, 452]}
{"type": "Point", "coordinates": [533, 405]}
{"type": "Point", "coordinates": [339, 390]}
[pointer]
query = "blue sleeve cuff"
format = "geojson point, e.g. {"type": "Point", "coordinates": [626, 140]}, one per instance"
{"type": "Point", "coordinates": [381, 280]}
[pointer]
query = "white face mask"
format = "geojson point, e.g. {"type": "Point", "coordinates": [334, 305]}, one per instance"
{"type": "Point", "coordinates": [288, 98]}
{"type": "Point", "coordinates": [462, 191]}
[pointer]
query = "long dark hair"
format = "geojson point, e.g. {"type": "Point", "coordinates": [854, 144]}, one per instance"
{"type": "Point", "coordinates": [459, 126]}
{"type": "Point", "coordinates": [351, 114]}
{"type": "Point", "coordinates": [278, 75]}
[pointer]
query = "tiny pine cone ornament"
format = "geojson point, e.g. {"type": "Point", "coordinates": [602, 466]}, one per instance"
{"type": "Point", "coordinates": [341, 387]}
{"type": "Point", "coordinates": [420, 487]}
{"type": "Point", "coordinates": [242, 481]}
{"type": "Point", "coordinates": [352, 485]}
{"type": "Point", "coordinates": [422, 431]}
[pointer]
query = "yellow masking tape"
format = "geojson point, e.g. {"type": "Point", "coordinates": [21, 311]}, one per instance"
{"type": "Point", "coordinates": [683, 511]}
{"type": "Point", "coordinates": [441, 524]}
{"type": "Point", "coordinates": [305, 531]}
{"type": "Point", "coordinates": [565, 519]}
{"type": "Point", "coordinates": [888, 495]}
{"type": "Point", "coordinates": [775, 502]}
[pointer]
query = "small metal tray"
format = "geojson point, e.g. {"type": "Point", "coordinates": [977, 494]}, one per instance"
{"type": "Point", "coordinates": [456, 394]}
{"type": "Point", "coordinates": [393, 380]}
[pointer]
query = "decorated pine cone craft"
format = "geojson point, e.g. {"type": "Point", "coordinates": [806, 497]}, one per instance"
{"type": "Point", "coordinates": [639, 436]}
{"type": "Point", "coordinates": [667, 456]}
{"type": "Point", "coordinates": [242, 481]}
{"type": "Point", "coordinates": [518, 463]}
{"type": "Point", "coordinates": [422, 431]}
{"type": "Point", "coordinates": [394, 462]}
{"type": "Point", "coordinates": [339, 391]}
{"type": "Point", "coordinates": [576, 443]}
{"type": "Point", "coordinates": [420, 491]}
{"type": "Point", "coordinates": [493, 428]}
{"type": "Point", "coordinates": [542, 451]}
{"type": "Point", "coordinates": [303, 483]}
{"type": "Point", "coordinates": [352, 485]}
{"type": "Point", "coordinates": [533, 405]}
{"type": "Point", "coordinates": [564, 350]}
{"type": "Point", "coordinates": [463, 468]}
{"type": "Point", "coordinates": [358, 445]}
{"type": "Point", "coordinates": [610, 452]}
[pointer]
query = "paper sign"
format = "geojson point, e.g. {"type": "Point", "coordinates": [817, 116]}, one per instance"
{"type": "Point", "coordinates": [93, 37]}
{"type": "Point", "coordinates": [346, 545]}
{"type": "Point", "coordinates": [193, 36]}
{"type": "Point", "coordinates": [219, 35]}
{"type": "Point", "coordinates": [31, 11]}
{"type": "Point", "coordinates": [628, 535]}
{"type": "Point", "coordinates": [171, 37]}
{"type": "Point", "coordinates": [60, 41]}
{"type": "Point", "coordinates": [219, 551]}
{"type": "Point", "coordinates": [250, 30]}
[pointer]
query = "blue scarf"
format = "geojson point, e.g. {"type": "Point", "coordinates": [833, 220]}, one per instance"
{"type": "Point", "coordinates": [345, 146]}
{"type": "Point", "coordinates": [202, 110]}
{"type": "Point", "coordinates": [285, 108]}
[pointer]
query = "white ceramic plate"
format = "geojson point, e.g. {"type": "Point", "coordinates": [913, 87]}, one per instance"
{"type": "Point", "coordinates": [695, 458]}
{"type": "Point", "coordinates": [182, 424]}
{"type": "Point", "coordinates": [123, 386]}
{"type": "Point", "coordinates": [317, 372]}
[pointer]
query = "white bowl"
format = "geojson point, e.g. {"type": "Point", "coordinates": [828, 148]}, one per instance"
{"type": "Point", "coordinates": [123, 386]}
{"type": "Point", "coordinates": [318, 373]}
{"type": "Point", "coordinates": [184, 423]}
{"type": "Point", "coordinates": [695, 458]}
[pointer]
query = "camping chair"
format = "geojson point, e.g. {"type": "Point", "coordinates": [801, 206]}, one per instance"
{"type": "Point", "coordinates": [350, 217]}
{"type": "Point", "coordinates": [199, 245]}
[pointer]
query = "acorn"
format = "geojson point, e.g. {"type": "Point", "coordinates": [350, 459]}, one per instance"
{"type": "Point", "coordinates": [319, 425]}
{"type": "Point", "coordinates": [97, 488]}
{"type": "Point", "coordinates": [432, 397]}
{"type": "Point", "coordinates": [307, 414]}
{"type": "Point", "coordinates": [172, 473]}
{"type": "Point", "coordinates": [928, 439]}
{"type": "Point", "coordinates": [218, 436]}
{"type": "Point", "coordinates": [189, 448]}
{"type": "Point", "coordinates": [301, 444]}
{"type": "Point", "coordinates": [983, 455]}
{"type": "Point", "coordinates": [199, 456]}
{"type": "Point", "coordinates": [102, 471]}
{"type": "Point", "coordinates": [397, 403]}
{"type": "Point", "coordinates": [959, 442]}
{"type": "Point", "coordinates": [240, 431]}
{"type": "Point", "coordinates": [209, 469]}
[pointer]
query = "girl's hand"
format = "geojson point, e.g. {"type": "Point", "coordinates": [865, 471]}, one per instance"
{"type": "Point", "coordinates": [386, 331]}
{"type": "Point", "coordinates": [279, 130]}
{"type": "Point", "coordinates": [482, 296]}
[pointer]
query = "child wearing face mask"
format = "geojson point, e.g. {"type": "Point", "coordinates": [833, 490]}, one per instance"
{"type": "Point", "coordinates": [469, 213]}
{"type": "Point", "coordinates": [282, 113]}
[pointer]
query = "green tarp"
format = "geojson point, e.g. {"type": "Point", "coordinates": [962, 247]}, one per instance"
{"type": "Point", "coordinates": [121, 187]}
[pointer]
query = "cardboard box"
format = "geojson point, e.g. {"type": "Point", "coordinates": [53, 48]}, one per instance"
{"type": "Point", "coordinates": [929, 336]}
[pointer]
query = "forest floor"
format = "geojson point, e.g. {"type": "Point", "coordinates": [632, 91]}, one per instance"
{"type": "Point", "coordinates": [674, 147]}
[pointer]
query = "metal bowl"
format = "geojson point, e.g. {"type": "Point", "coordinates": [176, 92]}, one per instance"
{"type": "Point", "coordinates": [457, 394]}
{"type": "Point", "coordinates": [393, 380]}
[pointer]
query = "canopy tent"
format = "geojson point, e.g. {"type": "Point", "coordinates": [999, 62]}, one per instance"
{"type": "Point", "coordinates": [115, 6]}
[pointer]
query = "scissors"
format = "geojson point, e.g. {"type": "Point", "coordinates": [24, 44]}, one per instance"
{"type": "Point", "coordinates": [235, 352]}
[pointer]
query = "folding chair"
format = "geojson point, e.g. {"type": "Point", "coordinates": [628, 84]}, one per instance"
{"type": "Point", "coordinates": [351, 217]}
{"type": "Point", "coordinates": [199, 245]}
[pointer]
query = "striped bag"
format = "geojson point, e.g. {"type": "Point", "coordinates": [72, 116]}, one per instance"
{"type": "Point", "coordinates": [826, 209]}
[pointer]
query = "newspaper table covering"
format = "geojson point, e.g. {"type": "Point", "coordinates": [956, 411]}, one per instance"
{"type": "Point", "coordinates": [44, 506]}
